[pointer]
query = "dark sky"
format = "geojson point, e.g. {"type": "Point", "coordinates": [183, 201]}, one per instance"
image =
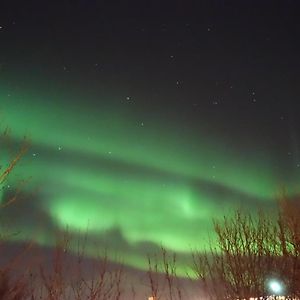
{"type": "Point", "coordinates": [173, 56]}
{"type": "Point", "coordinates": [143, 115]}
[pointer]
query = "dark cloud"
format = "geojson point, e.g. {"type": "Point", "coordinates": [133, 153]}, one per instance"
{"type": "Point", "coordinates": [23, 214]}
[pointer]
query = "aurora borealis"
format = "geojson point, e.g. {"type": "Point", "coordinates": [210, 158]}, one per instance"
{"type": "Point", "coordinates": [141, 131]}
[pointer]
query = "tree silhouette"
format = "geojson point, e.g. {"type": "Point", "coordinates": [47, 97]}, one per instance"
{"type": "Point", "coordinates": [246, 256]}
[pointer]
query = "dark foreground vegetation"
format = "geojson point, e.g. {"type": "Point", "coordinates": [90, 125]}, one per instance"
{"type": "Point", "coordinates": [251, 249]}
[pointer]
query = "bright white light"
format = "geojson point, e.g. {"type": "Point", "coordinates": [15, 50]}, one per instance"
{"type": "Point", "coordinates": [275, 287]}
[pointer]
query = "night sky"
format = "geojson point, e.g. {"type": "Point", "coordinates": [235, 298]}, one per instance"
{"type": "Point", "coordinates": [147, 119]}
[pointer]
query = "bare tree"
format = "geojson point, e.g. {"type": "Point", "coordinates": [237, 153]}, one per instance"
{"type": "Point", "coordinates": [162, 276]}
{"type": "Point", "coordinates": [153, 277]}
{"type": "Point", "coordinates": [54, 280]}
{"type": "Point", "coordinates": [12, 287]}
{"type": "Point", "coordinates": [243, 258]}
{"type": "Point", "coordinates": [289, 236]}
{"type": "Point", "coordinates": [6, 169]}
{"type": "Point", "coordinates": [67, 279]}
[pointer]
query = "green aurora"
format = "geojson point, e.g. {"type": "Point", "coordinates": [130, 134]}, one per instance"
{"type": "Point", "coordinates": [109, 171]}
